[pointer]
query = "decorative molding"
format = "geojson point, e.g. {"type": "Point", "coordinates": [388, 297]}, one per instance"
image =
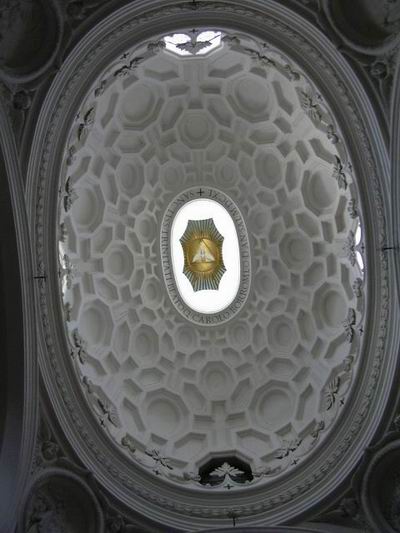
{"type": "Point", "coordinates": [349, 248]}
{"type": "Point", "coordinates": [352, 208]}
{"type": "Point", "coordinates": [208, 193]}
{"type": "Point", "coordinates": [310, 107]}
{"type": "Point", "coordinates": [395, 171]}
{"type": "Point", "coordinates": [21, 393]}
{"type": "Point", "coordinates": [339, 174]}
{"type": "Point", "coordinates": [358, 287]}
{"type": "Point", "coordinates": [349, 324]}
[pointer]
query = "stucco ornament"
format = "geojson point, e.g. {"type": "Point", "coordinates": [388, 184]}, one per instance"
{"type": "Point", "coordinates": [61, 501]}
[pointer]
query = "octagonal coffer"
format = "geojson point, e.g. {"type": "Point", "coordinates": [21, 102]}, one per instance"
{"type": "Point", "coordinates": [205, 256]}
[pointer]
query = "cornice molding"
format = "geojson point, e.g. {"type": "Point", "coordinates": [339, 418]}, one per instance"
{"type": "Point", "coordinates": [28, 395]}
{"type": "Point", "coordinates": [395, 172]}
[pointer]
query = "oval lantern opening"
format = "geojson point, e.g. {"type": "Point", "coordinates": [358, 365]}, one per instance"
{"type": "Point", "coordinates": [205, 255]}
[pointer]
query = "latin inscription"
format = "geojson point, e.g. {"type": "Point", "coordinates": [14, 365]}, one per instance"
{"type": "Point", "coordinates": [245, 259]}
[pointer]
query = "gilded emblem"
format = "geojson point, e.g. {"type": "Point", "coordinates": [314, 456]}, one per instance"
{"type": "Point", "coordinates": [202, 249]}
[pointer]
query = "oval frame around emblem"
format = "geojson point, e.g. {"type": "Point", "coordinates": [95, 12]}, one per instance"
{"type": "Point", "coordinates": [235, 303]}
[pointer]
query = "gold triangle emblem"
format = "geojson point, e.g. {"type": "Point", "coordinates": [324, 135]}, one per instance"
{"type": "Point", "coordinates": [202, 249]}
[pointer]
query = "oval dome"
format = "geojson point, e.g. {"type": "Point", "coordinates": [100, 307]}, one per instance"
{"type": "Point", "coordinates": [208, 194]}
{"type": "Point", "coordinates": [269, 401]}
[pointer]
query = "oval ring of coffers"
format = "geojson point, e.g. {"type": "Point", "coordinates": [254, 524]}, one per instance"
{"type": "Point", "coordinates": [197, 317]}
